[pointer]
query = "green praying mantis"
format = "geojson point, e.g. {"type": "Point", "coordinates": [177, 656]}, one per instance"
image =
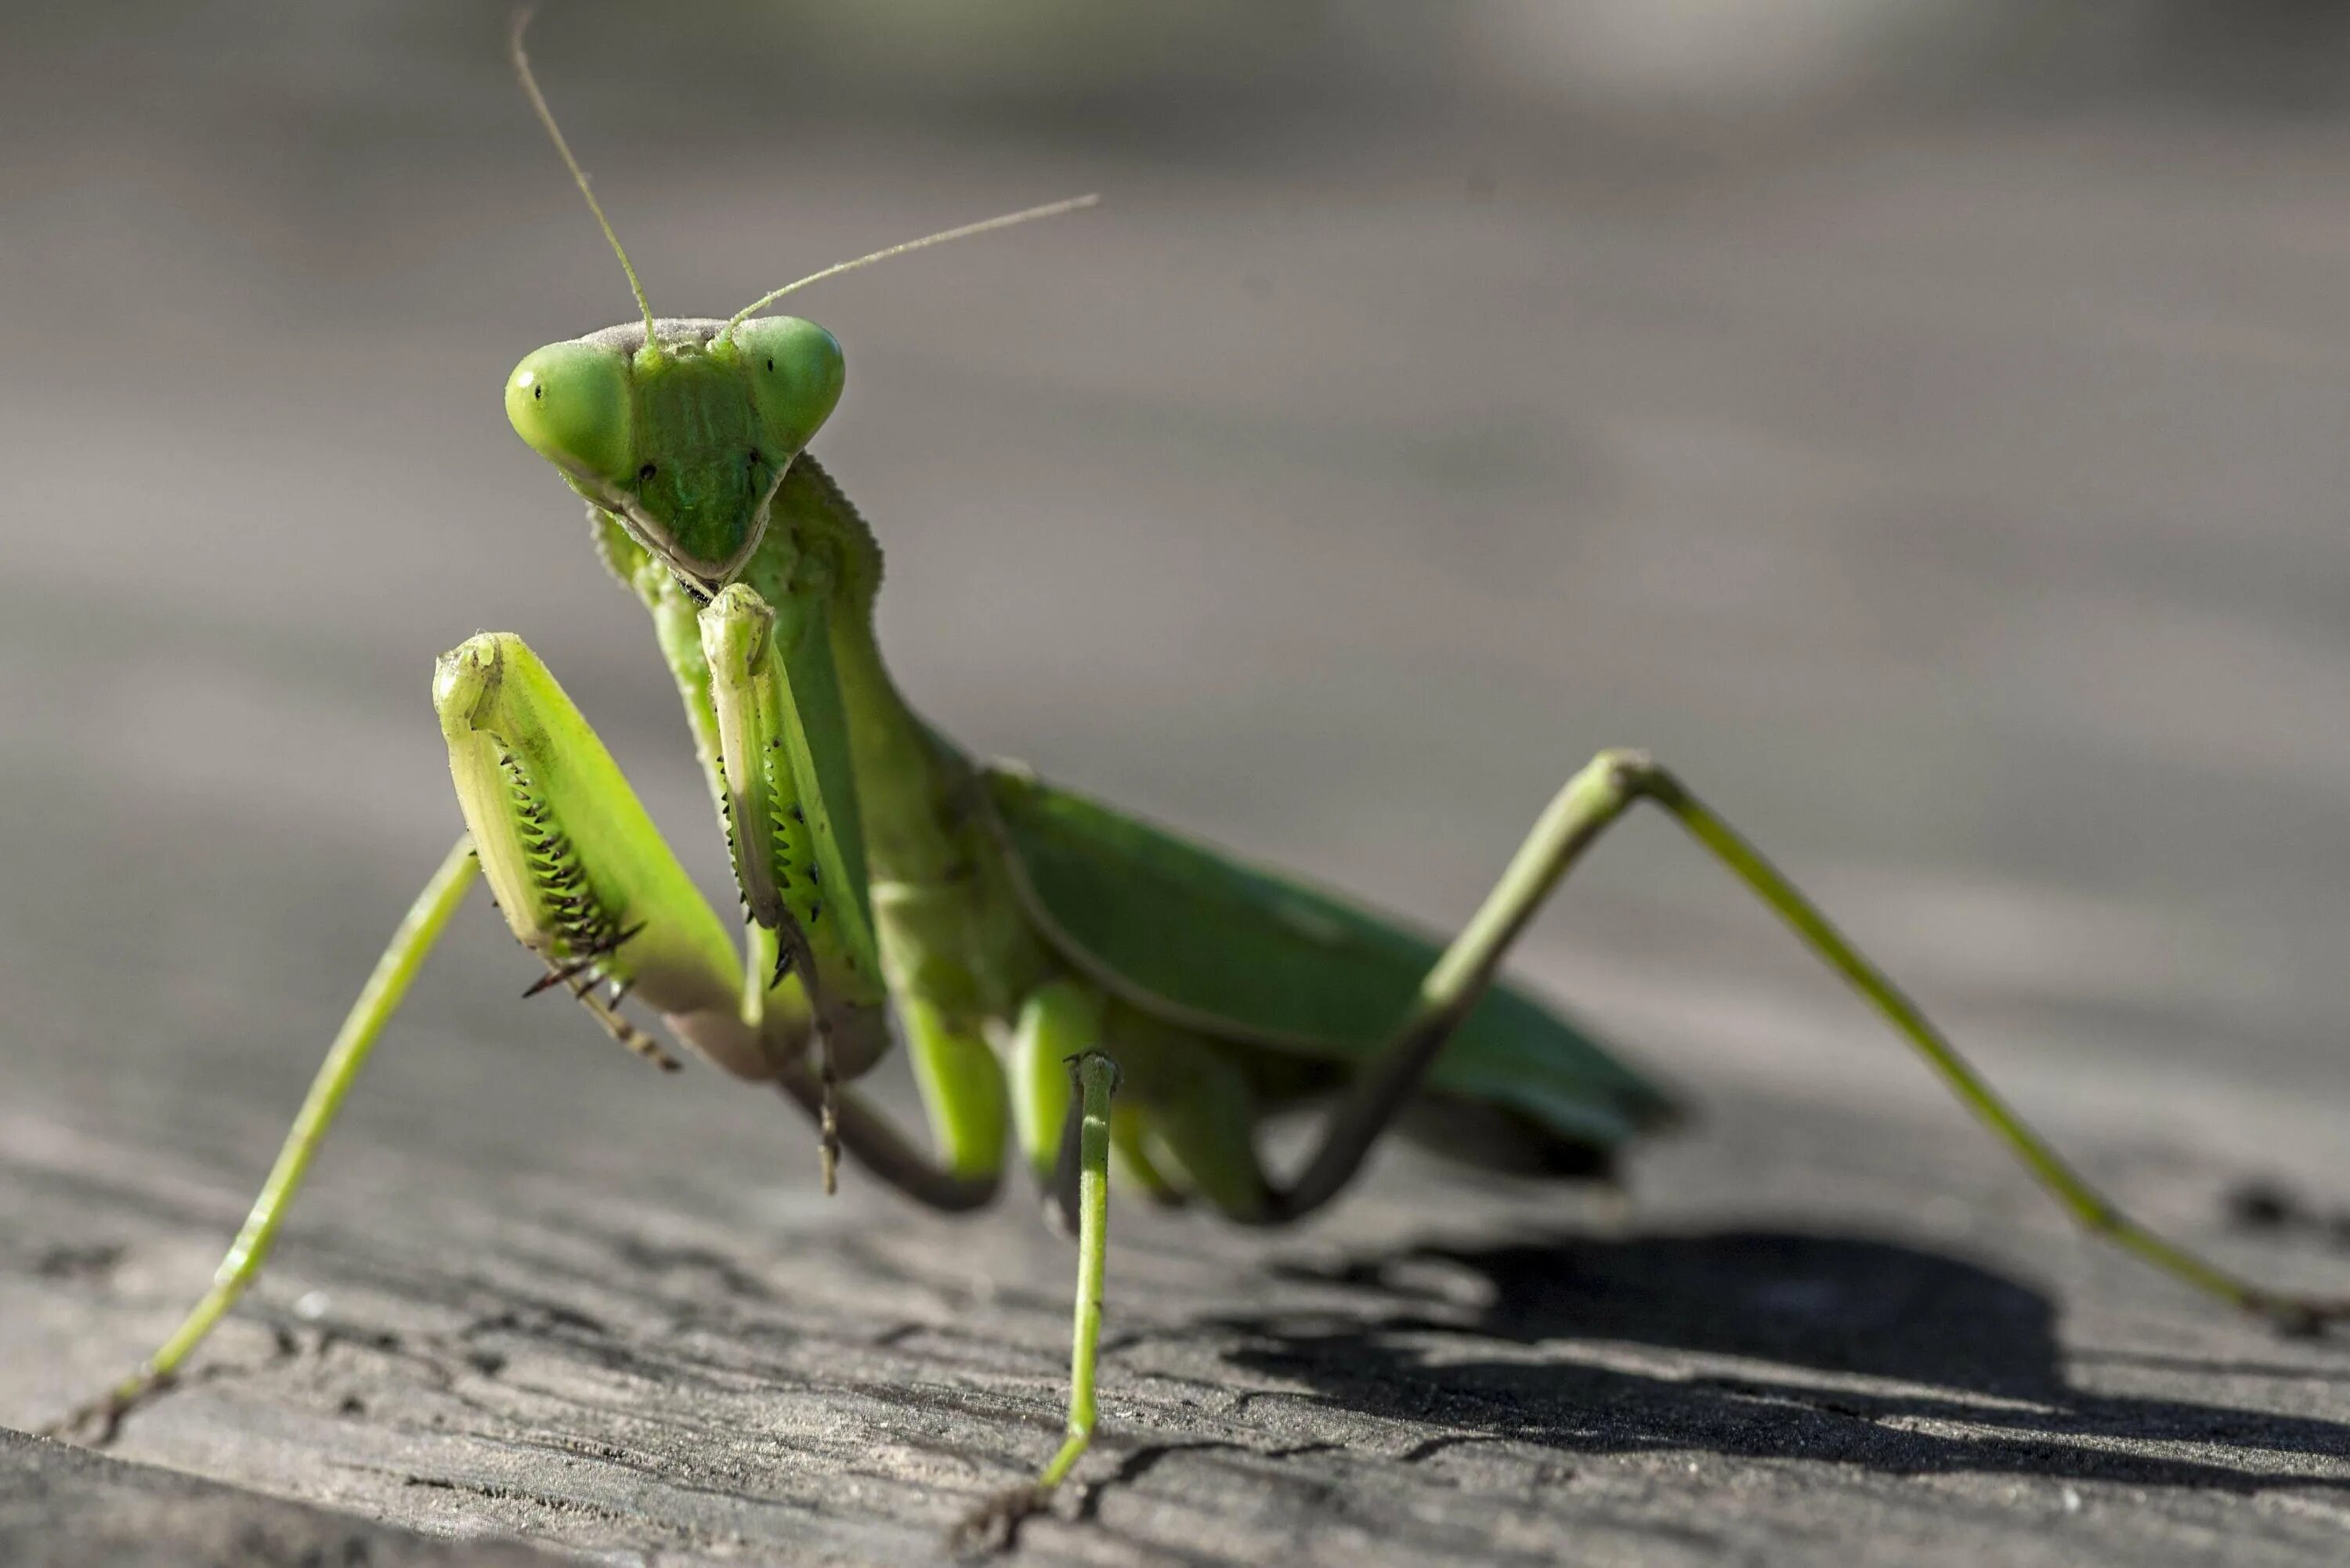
{"type": "Point", "coordinates": [1076, 990]}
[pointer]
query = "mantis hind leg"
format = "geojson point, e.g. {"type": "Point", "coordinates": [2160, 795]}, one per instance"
{"type": "Point", "coordinates": [1608, 786]}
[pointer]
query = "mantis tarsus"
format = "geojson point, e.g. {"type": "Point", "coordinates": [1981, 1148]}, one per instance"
{"type": "Point", "coordinates": [1072, 985]}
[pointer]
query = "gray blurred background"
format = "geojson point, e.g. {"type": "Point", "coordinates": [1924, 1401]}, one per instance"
{"type": "Point", "coordinates": [1922, 423]}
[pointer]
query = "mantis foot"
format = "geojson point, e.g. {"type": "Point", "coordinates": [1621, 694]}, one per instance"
{"type": "Point", "coordinates": [2302, 1319]}
{"type": "Point", "coordinates": [995, 1524]}
{"type": "Point", "coordinates": [99, 1421]}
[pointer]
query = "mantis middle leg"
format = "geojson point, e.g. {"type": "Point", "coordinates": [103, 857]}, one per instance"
{"type": "Point", "coordinates": [1062, 1087]}
{"type": "Point", "coordinates": [419, 929]}
{"type": "Point", "coordinates": [584, 880]}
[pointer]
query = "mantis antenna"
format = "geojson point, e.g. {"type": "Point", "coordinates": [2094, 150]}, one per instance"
{"type": "Point", "coordinates": [986, 225]}
{"type": "Point", "coordinates": [547, 118]}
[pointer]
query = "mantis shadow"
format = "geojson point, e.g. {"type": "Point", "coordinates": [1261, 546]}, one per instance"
{"type": "Point", "coordinates": [1758, 1344]}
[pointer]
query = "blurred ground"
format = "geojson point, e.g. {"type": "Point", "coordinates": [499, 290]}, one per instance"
{"type": "Point", "coordinates": [1953, 494]}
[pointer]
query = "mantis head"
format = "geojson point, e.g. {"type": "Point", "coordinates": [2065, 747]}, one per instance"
{"type": "Point", "coordinates": [683, 429]}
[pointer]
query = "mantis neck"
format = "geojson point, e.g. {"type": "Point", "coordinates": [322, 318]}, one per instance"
{"type": "Point", "coordinates": [810, 515]}
{"type": "Point", "coordinates": [908, 775]}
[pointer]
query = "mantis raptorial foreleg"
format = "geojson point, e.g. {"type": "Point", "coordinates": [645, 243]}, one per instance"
{"type": "Point", "coordinates": [587, 882]}
{"type": "Point", "coordinates": [577, 867]}
{"type": "Point", "coordinates": [571, 853]}
{"type": "Point", "coordinates": [378, 1001]}
{"type": "Point", "coordinates": [792, 815]}
{"type": "Point", "coordinates": [1576, 817]}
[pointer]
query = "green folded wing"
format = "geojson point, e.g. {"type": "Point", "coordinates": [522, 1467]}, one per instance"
{"type": "Point", "coordinates": [1183, 931]}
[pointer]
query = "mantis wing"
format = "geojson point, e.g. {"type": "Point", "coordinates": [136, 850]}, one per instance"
{"type": "Point", "coordinates": [1189, 934]}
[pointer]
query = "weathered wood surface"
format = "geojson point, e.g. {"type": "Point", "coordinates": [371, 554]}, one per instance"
{"type": "Point", "coordinates": [1776, 1356]}
{"type": "Point", "coordinates": [1961, 507]}
{"type": "Point", "coordinates": [63, 1506]}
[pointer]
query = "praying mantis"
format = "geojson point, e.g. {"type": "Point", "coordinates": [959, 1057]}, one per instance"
{"type": "Point", "coordinates": [1077, 991]}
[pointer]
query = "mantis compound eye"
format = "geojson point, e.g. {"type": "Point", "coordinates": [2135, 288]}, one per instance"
{"type": "Point", "coordinates": [570, 401]}
{"type": "Point", "coordinates": [795, 369]}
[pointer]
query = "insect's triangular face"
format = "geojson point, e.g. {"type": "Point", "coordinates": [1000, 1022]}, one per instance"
{"type": "Point", "coordinates": [685, 442]}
